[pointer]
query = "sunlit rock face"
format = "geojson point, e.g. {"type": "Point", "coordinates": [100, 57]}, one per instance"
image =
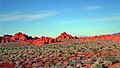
{"type": "Point", "coordinates": [113, 38]}
{"type": "Point", "coordinates": [45, 40]}
{"type": "Point", "coordinates": [27, 39]}
{"type": "Point", "coordinates": [64, 35]}
{"type": "Point", "coordinates": [48, 40]}
{"type": "Point", "coordinates": [20, 37]}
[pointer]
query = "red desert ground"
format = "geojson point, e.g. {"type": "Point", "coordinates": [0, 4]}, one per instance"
{"type": "Point", "coordinates": [64, 51]}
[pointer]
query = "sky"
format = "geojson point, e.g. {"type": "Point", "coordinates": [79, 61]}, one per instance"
{"type": "Point", "coordinates": [52, 17]}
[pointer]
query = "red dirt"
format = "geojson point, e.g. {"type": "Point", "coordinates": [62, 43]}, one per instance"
{"type": "Point", "coordinates": [117, 65]}
{"type": "Point", "coordinates": [7, 65]}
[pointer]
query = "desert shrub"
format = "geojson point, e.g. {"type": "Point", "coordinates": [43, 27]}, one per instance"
{"type": "Point", "coordinates": [113, 59]}
{"type": "Point", "coordinates": [94, 50]}
{"type": "Point", "coordinates": [107, 63]}
{"type": "Point", "coordinates": [96, 65]}
{"type": "Point", "coordinates": [101, 47]}
{"type": "Point", "coordinates": [58, 55]}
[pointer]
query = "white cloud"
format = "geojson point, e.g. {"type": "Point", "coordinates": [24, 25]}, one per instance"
{"type": "Point", "coordinates": [25, 16]}
{"type": "Point", "coordinates": [94, 7]}
{"type": "Point", "coordinates": [40, 16]}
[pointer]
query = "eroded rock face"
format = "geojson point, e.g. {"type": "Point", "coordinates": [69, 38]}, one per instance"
{"type": "Point", "coordinates": [75, 37]}
{"type": "Point", "coordinates": [27, 39]}
{"type": "Point", "coordinates": [47, 40]}
{"type": "Point", "coordinates": [35, 38]}
{"type": "Point", "coordinates": [44, 40]}
{"type": "Point", "coordinates": [64, 35]}
{"type": "Point", "coordinates": [0, 39]}
{"type": "Point", "coordinates": [113, 38]}
{"type": "Point", "coordinates": [20, 37]}
{"type": "Point", "coordinates": [5, 39]}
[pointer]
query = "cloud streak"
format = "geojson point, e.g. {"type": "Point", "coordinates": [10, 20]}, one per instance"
{"type": "Point", "coordinates": [93, 7]}
{"type": "Point", "coordinates": [26, 16]}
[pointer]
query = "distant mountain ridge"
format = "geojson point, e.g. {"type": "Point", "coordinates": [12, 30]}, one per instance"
{"type": "Point", "coordinates": [20, 37]}
{"type": "Point", "coordinates": [36, 40]}
{"type": "Point", "coordinates": [116, 33]}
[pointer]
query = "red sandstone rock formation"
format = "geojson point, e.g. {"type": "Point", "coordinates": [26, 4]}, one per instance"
{"type": "Point", "coordinates": [75, 37]}
{"type": "Point", "coordinates": [0, 39]}
{"type": "Point", "coordinates": [113, 38]}
{"type": "Point", "coordinates": [21, 37]}
{"type": "Point", "coordinates": [35, 38]}
{"type": "Point", "coordinates": [44, 40]}
{"type": "Point", "coordinates": [64, 35]}
{"type": "Point", "coordinates": [47, 40]}
{"type": "Point", "coordinates": [27, 39]}
{"type": "Point", "coordinates": [6, 39]}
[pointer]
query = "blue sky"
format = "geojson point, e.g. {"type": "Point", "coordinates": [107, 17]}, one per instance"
{"type": "Point", "coordinates": [52, 17]}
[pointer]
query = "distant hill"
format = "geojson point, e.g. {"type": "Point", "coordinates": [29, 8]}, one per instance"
{"type": "Point", "coordinates": [21, 37]}
{"type": "Point", "coordinates": [116, 33]}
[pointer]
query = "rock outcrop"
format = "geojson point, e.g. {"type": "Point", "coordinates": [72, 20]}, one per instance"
{"type": "Point", "coordinates": [113, 38]}
{"type": "Point", "coordinates": [45, 40]}
{"type": "Point", "coordinates": [64, 35]}
{"type": "Point", "coordinates": [48, 40]}
{"type": "Point", "coordinates": [0, 39]}
{"type": "Point", "coordinates": [75, 37]}
{"type": "Point", "coordinates": [20, 37]}
{"type": "Point", "coordinates": [5, 39]}
{"type": "Point", "coordinates": [27, 39]}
